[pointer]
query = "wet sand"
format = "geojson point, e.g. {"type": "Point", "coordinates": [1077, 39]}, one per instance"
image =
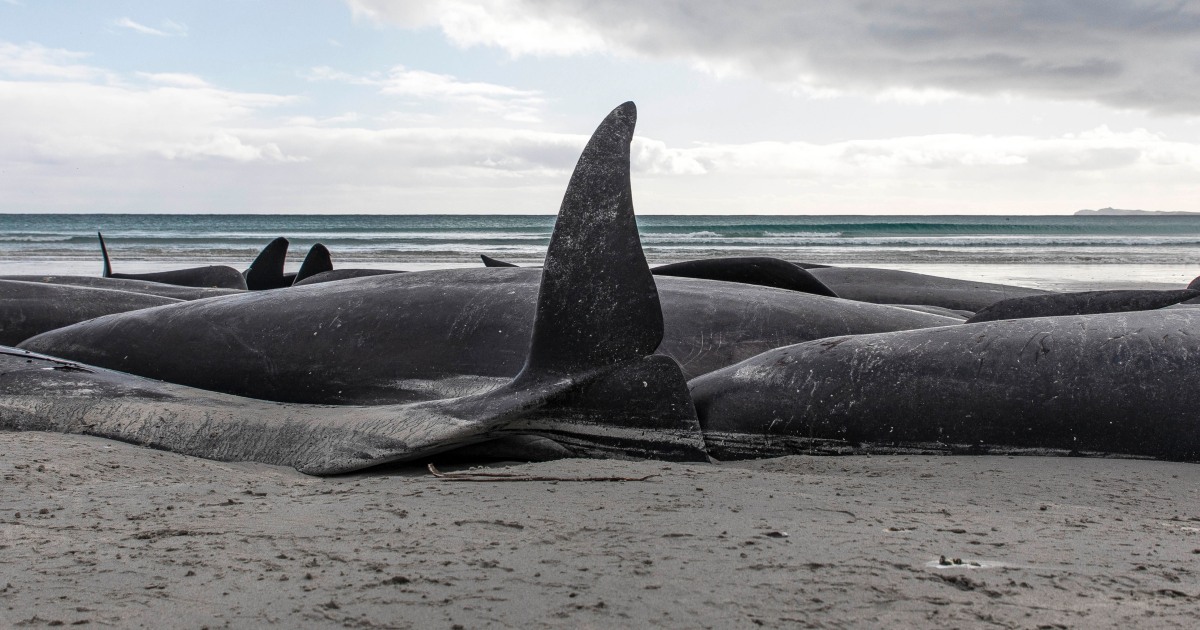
{"type": "Point", "coordinates": [104, 534]}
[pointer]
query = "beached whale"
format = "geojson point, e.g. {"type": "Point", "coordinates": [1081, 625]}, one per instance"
{"type": "Point", "coordinates": [334, 275]}
{"type": "Point", "coordinates": [757, 270]}
{"type": "Point", "coordinates": [587, 382]}
{"type": "Point", "coordinates": [30, 308]}
{"type": "Point", "coordinates": [1119, 384]}
{"type": "Point", "coordinates": [937, 310]}
{"type": "Point", "coordinates": [211, 276]}
{"type": "Point", "coordinates": [430, 334]}
{"type": "Point", "coordinates": [144, 287]}
{"type": "Point", "coordinates": [890, 286]}
{"type": "Point", "coordinates": [1083, 303]}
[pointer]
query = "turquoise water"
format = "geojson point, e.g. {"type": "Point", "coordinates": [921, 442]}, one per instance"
{"type": "Point", "coordinates": [1158, 248]}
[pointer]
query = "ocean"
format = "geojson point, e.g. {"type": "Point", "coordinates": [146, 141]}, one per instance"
{"type": "Point", "coordinates": [1040, 251]}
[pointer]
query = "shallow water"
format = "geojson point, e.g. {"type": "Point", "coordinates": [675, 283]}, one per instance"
{"type": "Point", "coordinates": [1058, 252]}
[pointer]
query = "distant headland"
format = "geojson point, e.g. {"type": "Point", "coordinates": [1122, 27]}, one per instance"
{"type": "Point", "coordinates": [1118, 212]}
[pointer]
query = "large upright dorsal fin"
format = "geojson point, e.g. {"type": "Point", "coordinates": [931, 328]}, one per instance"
{"type": "Point", "coordinates": [104, 252]}
{"type": "Point", "coordinates": [317, 261]}
{"type": "Point", "coordinates": [598, 304]}
{"type": "Point", "coordinates": [266, 272]}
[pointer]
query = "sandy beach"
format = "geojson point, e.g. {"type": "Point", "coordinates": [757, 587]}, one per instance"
{"type": "Point", "coordinates": [241, 240]}
{"type": "Point", "coordinates": [100, 533]}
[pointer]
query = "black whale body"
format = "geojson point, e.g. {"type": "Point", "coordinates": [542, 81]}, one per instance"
{"type": "Point", "coordinates": [144, 287]}
{"type": "Point", "coordinates": [1083, 303]}
{"type": "Point", "coordinates": [429, 334]}
{"type": "Point", "coordinates": [757, 270]}
{"type": "Point", "coordinates": [586, 383]}
{"type": "Point", "coordinates": [334, 275]}
{"type": "Point", "coordinates": [891, 286]}
{"type": "Point", "coordinates": [30, 308]}
{"type": "Point", "coordinates": [862, 284]}
{"type": "Point", "coordinates": [1116, 384]}
{"type": "Point", "coordinates": [211, 276]}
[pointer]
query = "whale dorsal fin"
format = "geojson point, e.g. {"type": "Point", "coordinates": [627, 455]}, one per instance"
{"type": "Point", "coordinates": [488, 261]}
{"type": "Point", "coordinates": [104, 252]}
{"type": "Point", "coordinates": [266, 272]}
{"type": "Point", "coordinates": [587, 384]}
{"type": "Point", "coordinates": [317, 261]}
{"type": "Point", "coordinates": [597, 304]}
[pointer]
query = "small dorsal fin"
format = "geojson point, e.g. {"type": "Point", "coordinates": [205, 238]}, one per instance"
{"type": "Point", "coordinates": [598, 304]}
{"type": "Point", "coordinates": [317, 261]}
{"type": "Point", "coordinates": [104, 252]}
{"type": "Point", "coordinates": [488, 261]}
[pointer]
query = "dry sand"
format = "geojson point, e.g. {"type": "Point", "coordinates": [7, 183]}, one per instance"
{"type": "Point", "coordinates": [106, 534]}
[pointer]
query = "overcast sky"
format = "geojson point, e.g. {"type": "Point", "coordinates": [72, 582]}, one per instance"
{"type": "Point", "coordinates": [455, 106]}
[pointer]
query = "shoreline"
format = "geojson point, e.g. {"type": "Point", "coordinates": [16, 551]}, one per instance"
{"type": "Point", "coordinates": [1055, 277]}
{"type": "Point", "coordinates": [115, 534]}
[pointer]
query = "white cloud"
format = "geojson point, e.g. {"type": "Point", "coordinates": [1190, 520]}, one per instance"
{"type": "Point", "coordinates": [80, 138]}
{"type": "Point", "coordinates": [510, 24]}
{"type": "Point", "coordinates": [1137, 54]}
{"type": "Point", "coordinates": [53, 108]}
{"type": "Point", "coordinates": [168, 28]}
{"type": "Point", "coordinates": [487, 98]}
{"type": "Point", "coordinates": [35, 60]}
{"type": "Point", "coordinates": [177, 79]}
{"type": "Point", "coordinates": [941, 173]}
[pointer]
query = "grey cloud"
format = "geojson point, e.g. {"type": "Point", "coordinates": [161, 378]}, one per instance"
{"type": "Point", "coordinates": [1141, 54]}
